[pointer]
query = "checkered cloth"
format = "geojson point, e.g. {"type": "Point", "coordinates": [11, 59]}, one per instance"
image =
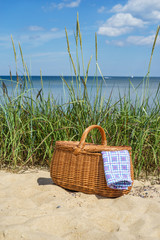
{"type": "Point", "coordinates": [117, 169]}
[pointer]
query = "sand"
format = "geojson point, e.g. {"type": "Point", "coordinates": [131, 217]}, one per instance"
{"type": "Point", "coordinates": [32, 207]}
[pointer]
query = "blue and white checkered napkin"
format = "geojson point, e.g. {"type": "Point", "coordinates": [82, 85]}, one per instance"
{"type": "Point", "coordinates": [117, 169]}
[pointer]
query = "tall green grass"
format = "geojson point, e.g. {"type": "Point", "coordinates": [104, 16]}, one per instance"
{"type": "Point", "coordinates": [29, 126]}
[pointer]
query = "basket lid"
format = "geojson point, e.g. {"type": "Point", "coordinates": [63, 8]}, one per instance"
{"type": "Point", "coordinates": [82, 146]}
{"type": "Point", "coordinates": [89, 147]}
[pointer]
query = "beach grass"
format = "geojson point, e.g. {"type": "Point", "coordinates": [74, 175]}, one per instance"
{"type": "Point", "coordinates": [30, 126]}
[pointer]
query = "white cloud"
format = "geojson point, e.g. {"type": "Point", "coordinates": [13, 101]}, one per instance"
{"type": "Point", "coordinates": [117, 8]}
{"type": "Point", "coordinates": [154, 15]}
{"type": "Point", "coordinates": [142, 40]}
{"type": "Point", "coordinates": [124, 19]}
{"type": "Point", "coordinates": [120, 23]}
{"type": "Point", "coordinates": [73, 4]}
{"type": "Point", "coordinates": [47, 54]}
{"type": "Point", "coordinates": [5, 38]}
{"type": "Point", "coordinates": [101, 9]}
{"type": "Point", "coordinates": [148, 9]}
{"type": "Point", "coordinates": [63, 4]}
{"type": "Point", "coordinates": [113, 31]}
{"type": "Point", "coordinates": [135, 40]}
{"type": "Point", "coordinates": [5, 41]}
{"type": "Point", "coordinates": [119, 43]}
{"type": "Point", "coordinates": [54, 29]}
{"type": "Point", "coordinates": [41, 38]}
{"type": "Point", "coordinates": [35, 28]}
{"type": "Point", "coordinates": [115, 42]}
{"type": "Point", "coordinates": [129, 17]}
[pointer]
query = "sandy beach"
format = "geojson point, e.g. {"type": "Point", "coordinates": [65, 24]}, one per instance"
{"type": "Point", "coordinates": [32, 207]}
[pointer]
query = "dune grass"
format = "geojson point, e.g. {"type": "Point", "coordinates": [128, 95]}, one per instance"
{"type": "Point", "coordinates": [30, 126]}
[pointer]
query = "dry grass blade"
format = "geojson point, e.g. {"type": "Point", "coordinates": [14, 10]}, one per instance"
{"type": "Point", "coordinates": [96, 47]}
{"type": "Point", "coordinates": [41, 79]}
{"type": "Point", "coordinates": [15, 56]}
{"type": "Point", "coordinates": [83, 82]}
{"type": "Point", "coordinates": [77, 30]}
{"type": "Point", "coordinates": [5, 91]}
{"type": "Point", "coordinates": [154, 43]}
{"type": "Point", "coordinates": [4, 88]}
{"type": "Point", "coordinates": [68, 48]}
{"type": "Point", "coordinates": [22, 57]}
{"type": "Point", "coordinates": [80, 40]}
{"type": "Point", "coordinates": [17, 77]}
{"type": "Point", "coordinates": [10, 73]}
{"type": "Point", "coordinates": [39, 94]}
{"type": "Point", "coordinates": [88, 69]}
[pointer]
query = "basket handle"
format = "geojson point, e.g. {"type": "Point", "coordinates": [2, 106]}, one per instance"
{"type": "Point", "coordinates": [84, 135]}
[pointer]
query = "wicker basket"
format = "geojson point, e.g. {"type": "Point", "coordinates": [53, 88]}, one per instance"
{"type": "Point", "coordinates": [78, 166]}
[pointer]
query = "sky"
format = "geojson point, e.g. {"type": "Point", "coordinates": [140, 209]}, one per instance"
{"type": "Point", "coordinates": [125, 34]}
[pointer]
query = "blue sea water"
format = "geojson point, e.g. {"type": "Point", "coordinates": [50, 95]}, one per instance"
{"type": "Point", "coordinates": [111, 85]}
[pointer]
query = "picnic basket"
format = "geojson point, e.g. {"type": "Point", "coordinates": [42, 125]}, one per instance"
{"type": "Point", "coordinates": [79, 166]}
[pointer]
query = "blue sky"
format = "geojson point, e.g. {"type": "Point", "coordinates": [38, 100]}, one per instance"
{"type": "Point", "coordinates": [125, 31]}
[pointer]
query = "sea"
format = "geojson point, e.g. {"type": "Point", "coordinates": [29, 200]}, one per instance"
{"type": "Point", "coordinates": [113, 87]}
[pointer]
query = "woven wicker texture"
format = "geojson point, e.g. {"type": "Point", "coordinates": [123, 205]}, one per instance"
{"type": "Point", "coordinates": [78, 166]}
